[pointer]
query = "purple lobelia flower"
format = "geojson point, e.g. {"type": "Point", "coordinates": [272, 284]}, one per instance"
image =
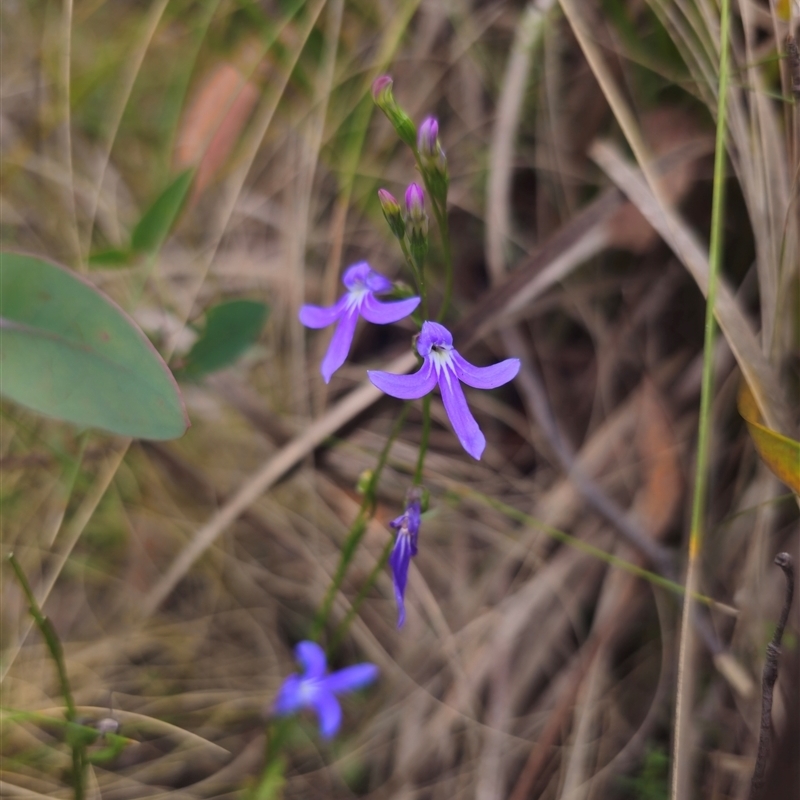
{"type": "Point", "coordinates": [317, 688]}
{"type": "Point", "coordinates": [405, 548]}
{"type": "Point", "coordinates": [362, 283]}
{"type": "Point", "coordinates": [443, 364]}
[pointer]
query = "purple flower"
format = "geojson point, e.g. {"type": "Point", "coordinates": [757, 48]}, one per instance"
{"type": "Point", "coordinates": [317, 689]}
{"type": "Point", "coordinates": [362, 284]}
{"type": "Point", "coordinates": [444, 365]}
{"type": "Point", "coordinates": [405, 548]}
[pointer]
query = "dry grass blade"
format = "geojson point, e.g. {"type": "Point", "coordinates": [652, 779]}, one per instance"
{"type": "Point", "coordinates": [277, 466]}
{"type": "Point", "coordinates": [684, 243]}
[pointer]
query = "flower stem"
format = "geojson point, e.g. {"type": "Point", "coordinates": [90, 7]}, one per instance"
{"type": "Point", "coordinates": [681, 757]}
{"type": "Point", "coordinates": [423, 445]}
{"type": "Point", "coordinates": [357, 530]}
{"type": "Point", "coordinates": [344, 625]}
{"type": "Point", "coordinates": [57, 653]}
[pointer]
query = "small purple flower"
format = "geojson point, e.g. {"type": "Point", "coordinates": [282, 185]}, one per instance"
{"type": "Point", "coordinates": [405, 548]}
{"type": "Point", "coordinates": [444, 365]}
{"type": "Point", "coordinates": [362, 283]}
{"type": "Point", "coordinates": [317, 688]}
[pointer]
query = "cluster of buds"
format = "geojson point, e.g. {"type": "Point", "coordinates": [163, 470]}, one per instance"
{"type": "Point", "coordinates": [413, 224]}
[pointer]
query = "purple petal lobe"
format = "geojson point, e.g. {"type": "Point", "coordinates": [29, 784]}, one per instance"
{"type": "Point", "coordinates": [320, 316]}
{"type": "Point", "coordinates": [433, 335]}
{"type": "Point", "coordinates": [289, 697]}
{"type": "Point", "coordinates": [405, 387]}
{"type": "Point", "coordinates": [399, 562]}
{"type": "Point", "coordinates": [329, 713]}
{"type": "Point", "coordinates": [464, 425]}
{"type": "Point", "coordinates": [312, 659]}
{"type": "Point", "coordinates": [351, 678]}
{"type": "Point", "coordinates": [340, 344]}
{"type": "Point", "coordinates": [355, 277]}
{"type": "Point", "coordinates": [373, 310]}
{"type": "Point", "coordinates": [378, 283]}
{"type": "Point", "coordinates": [485, 377]}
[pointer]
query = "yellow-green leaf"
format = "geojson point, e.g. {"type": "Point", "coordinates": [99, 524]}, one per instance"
{"type": "Point", "coordinates": [780, 453]}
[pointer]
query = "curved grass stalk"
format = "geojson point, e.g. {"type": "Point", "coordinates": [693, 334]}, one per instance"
{"type": "Point", "coordinates": [681, 761]}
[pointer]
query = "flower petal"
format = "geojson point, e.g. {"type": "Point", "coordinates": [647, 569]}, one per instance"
{"type": "Point", "coordinates": [351, 678]}
{"type": "Point", "coordinates": [485, 377]}
{"type": "Point", "coordinates": [289, 698]}
{"type": "Point", "coordinates": [311, 658]}
{"type": "Point", "coordinates": [322, 316]}
{"type": "Point", "coordinates": [329, 713]}
{"type": "Point", "coordinates": [433, 335]}
{"type": "Point", "coordinates": [373, 310]}
{"type": "Point", "coordinates": [464, 425]}
{"type": "Point", "coordinates": [355, 277]}
{"type": "Point", "coordinates": [399, 561]}
{"type": "Point", "coordinates": [340, 344]}
{"type": "Point", "coordinates": [405, 387]}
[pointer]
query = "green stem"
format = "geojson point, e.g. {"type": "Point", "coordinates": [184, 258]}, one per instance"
{"type": "Point", "coordinates": [444, 230]}
{"type": "Point", "coordinates": [357, 530]}
{"type": "Point", "coordinates": [344, 625]}
{"type": "Point", "coordinates": [680, 771]}
{"type": "Point", "coordinates": [57, 653]}
{"type": "Point", "coordinates": [423, 445]}
{"type": "Point", "coordinates": [419, 277]}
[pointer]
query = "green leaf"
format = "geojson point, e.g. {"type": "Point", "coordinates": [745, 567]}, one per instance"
{"type": "Point", "coordinates": [110, 258]}
{"type": "Point", "coordinates": [69, 352]}
{"type": "Point", "coordinates": [157, 221]}
{"type": "Point", "coordinates": [230, 329]}
{"type": "Point", "coordinates": [780, 453]}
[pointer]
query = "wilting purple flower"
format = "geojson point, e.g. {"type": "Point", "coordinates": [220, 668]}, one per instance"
{"type": "Point", "coordinates": [444, 365]}
{"type": "Point", "coordinates": [317, 688]}
{"type": "Point", "coordinates": [362, 283]}
{"type": "Point", "coordinates": [405, 548]}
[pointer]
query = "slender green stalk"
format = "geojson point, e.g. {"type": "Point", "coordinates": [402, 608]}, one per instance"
{"type": "Point", "coordinates": [344, 625]}
{"type": "Point", "coordinates": [357, 530]}
{"type": "Point", "coordinates": [57, 654]}
{"type": "Point", "coordinates": [681, 768]}
{"type": "Point", "coordinates": [560, 536]}
{"type": "Point", "coordinates": [423, 445]}
{"type": "Point", "coordinates": [444, 229]}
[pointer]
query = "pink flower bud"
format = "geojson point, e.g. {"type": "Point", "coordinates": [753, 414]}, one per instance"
{"type": "Point", "coordinates": [415, 202]}
{"type": "Point", "coordinates": [381, 86]}
{"type": "Point", "coordinates": [427, 138]}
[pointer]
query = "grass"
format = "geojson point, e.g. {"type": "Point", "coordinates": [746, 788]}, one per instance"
{"type": "Point", "coordinates": [528, 667]}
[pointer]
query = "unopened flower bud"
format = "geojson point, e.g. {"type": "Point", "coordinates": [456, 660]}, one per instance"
{"type": "Point", "coordinates": [384, 99]}
{"type": "Point", "coordinates": [415, 204]}
{"type": "Point", "coordinates": [428, 139]}
{"type": "Point", "coordinates": [364, 480]}
{"type": "Point", "coordinates": [417, 224]}
{"type": "Point", "coordinates": [391, 210]}
{"type": "Point", "coordinates": [432, 160]}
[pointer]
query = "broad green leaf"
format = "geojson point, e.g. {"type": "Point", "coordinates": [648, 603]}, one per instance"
{"type": "Point", "coordinates": [230, 329]}
{"type": "Point", "coordinates": [69, 352]}
{"type": "Point", "coordinates": [780, 453]}
{"type": "Point", "coordinates": [157, 221]}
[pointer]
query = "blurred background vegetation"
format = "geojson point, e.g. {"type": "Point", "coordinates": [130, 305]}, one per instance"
{"type": "Point", "coordinates": [212, 164]}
